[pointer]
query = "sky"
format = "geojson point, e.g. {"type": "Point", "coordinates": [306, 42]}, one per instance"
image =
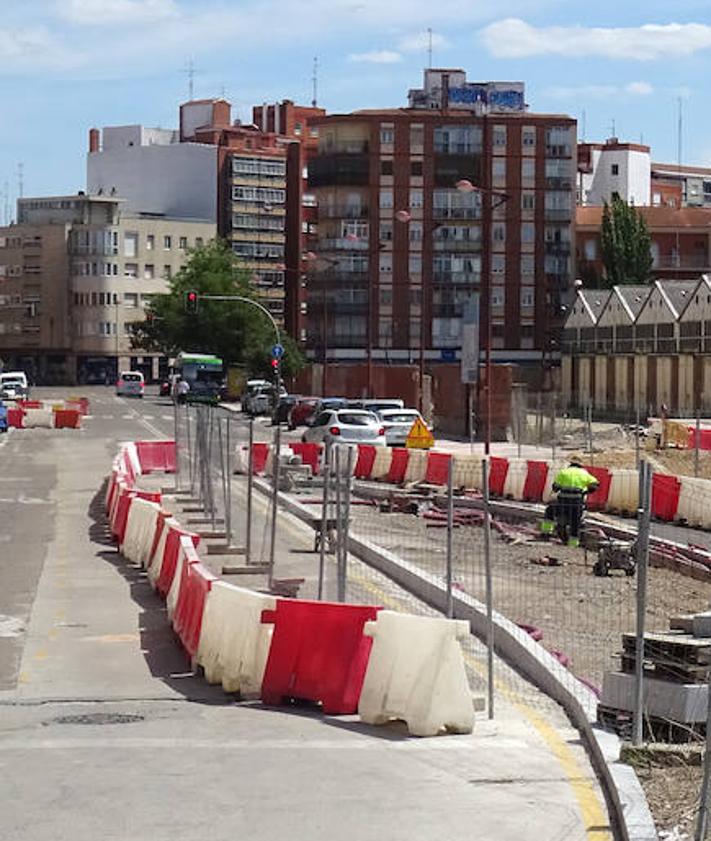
{"type": "Point", "coordinates": [68, 65]}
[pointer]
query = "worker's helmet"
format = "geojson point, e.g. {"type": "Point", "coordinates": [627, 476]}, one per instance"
{"type": "Point", "coordinates": [575, 460]}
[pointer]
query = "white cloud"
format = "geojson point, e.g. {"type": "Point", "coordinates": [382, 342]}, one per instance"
{"type": "Point", "coordinates": [639, 88]}
{"type": "Point", "coordinates": [514, 38]}
{"type": "Point", "coordinates": [421, 41]}
{"type": "Point", "coordinates": [376, 57]}
{"type": "Point", "coordinates": [112, 12]}
{"type": "Point", "coordinates": [583, 92]}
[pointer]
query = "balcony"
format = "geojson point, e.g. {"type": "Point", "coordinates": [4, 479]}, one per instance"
{"type": "Point", "coordinates": [339, 169]}
{"type": "Point", "coordinates": [682, 261]}
{"type": "Point", "coordinates": [557, 214]}
{"type": "Point", "coordinates": [558, 183]}
{"type": "Point", "coordinates": [457, 246]}
{"type": "Point", "coordinates": [457, 212]}
{"type": "Point", "coordinates": [343, 244]}
{"type": "Point", "coordinates": [343, 211]}
{"type": "Point", "coordinates": [558, 249]}
{"type": "Point", "coordinates": [345, 147]}
{"type": "Point", "coordinates": [473, 278]}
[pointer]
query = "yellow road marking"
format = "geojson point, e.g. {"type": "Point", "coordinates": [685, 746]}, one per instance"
{"type": "Point", "coordinates": [592, 811]}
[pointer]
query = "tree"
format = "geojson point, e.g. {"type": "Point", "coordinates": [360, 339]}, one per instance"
{"type": "Point", "coordinates": [625, 245]}
{"type": "Point", "coordinates": [235, 331]}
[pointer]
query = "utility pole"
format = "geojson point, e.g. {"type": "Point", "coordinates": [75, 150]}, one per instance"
{"type": "Point", "coordinates": [20, 179]}
{"type": "Point", "coordinates": [189, 71]}
{"type": "Point", "coordinates": [314, 83]}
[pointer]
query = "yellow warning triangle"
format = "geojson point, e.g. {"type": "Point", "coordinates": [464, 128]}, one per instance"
{"type": "Point", "coordinates": [419, 437]}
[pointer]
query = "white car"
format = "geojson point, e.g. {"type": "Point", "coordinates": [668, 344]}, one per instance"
{"type": "Point", "coordinates": [349, 426]}
{"type": "Point", "coordinates": [13, 385]}
{"type": "Point", "coordinates": [397, 424]}
{"type": "Point", "coordinates": [130, 384]}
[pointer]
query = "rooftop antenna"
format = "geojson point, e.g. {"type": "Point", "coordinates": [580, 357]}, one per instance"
{"type": "Point", "coordinates": [613, 127]}
{"type": "Point", "coordinates": [429, 47]}
{"type": "Point", "coordinates": [584, 122]}
{"type": "Point", "coordinates": [314, 83]}
{"type": "Point", "coordinates": [189, 71]}
{"type": "Point", "coordinates": [20, 179]}
{"type": "Point", "coordinates": [6, 204]}
{"type": "Point", "coordinates": [679, 132]}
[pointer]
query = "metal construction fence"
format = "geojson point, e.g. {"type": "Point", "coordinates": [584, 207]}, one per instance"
{"type": "Point", "coordinates": [609, 615]}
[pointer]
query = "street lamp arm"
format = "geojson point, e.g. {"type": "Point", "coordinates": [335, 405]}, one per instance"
{"type": "Point", "coordinates": [244, 300]}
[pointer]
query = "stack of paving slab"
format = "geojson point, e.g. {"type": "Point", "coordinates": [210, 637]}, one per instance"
{"type": "Point", "coordinates": [677, 666]}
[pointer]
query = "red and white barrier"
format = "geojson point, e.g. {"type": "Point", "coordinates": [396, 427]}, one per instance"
{"type": "Point", "coordinates": [194, 588]}
{"type": "Point", "coordinates": [140, 530]}
{"type": "Point", "coordinates": [416, 674]}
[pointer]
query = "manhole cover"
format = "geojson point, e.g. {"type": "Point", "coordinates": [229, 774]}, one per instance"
{"type": "Point", "coordinates": [97, 718]}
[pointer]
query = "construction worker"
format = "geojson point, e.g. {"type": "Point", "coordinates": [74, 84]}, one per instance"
{"type": "Point", "coordinates": [572, 484]}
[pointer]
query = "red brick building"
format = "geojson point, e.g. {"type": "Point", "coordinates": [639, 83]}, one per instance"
{"type": "Point", "coordinates": [404, 249]}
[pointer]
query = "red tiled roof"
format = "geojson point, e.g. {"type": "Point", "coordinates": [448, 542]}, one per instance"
{"type": "Point", "coordinates": [655, 217]}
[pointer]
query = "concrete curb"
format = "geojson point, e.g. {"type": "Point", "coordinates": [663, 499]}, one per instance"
{"type": "Point", "coordinates": [627, 804]}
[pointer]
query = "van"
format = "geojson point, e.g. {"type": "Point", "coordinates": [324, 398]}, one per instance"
{"type": "Point", "coordinates": [130, 384]}
{"type": "Point", "coordinates": [13, 385]}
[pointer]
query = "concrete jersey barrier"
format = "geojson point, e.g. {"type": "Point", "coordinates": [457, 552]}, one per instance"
{"type": "Point", "coordinates": [416, 673]}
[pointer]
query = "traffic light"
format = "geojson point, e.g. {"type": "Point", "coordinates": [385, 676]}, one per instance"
{"type": "Point", "coordinates": [191, 302]}
{"type": "Point", "coordinates": [275, 365]}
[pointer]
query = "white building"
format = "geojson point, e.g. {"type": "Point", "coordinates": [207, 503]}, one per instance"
{"type": "Point", "coordinates": [614, 168]}
{"type": "Point", "coordinates": [154, 172]}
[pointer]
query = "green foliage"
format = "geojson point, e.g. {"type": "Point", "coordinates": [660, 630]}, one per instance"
{"type": "Point", "coordinates": [233, 330]}
{"type": "Point", "coordinates": [625, 245]}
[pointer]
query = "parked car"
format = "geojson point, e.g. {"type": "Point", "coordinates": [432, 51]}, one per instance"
{"type": "Point", "coordinates": [326, 403]}
{"type": "Point", "coordinates": [350, 426]}
{"type": "Point", "coordinates": [302, 411]}
{"type": "Point", "coordinates": [397, 424]}
{"type": "Point", "coordinates": [130, 384]}
{"type": "Point", "coordinates": [280, 413]}
{"type": "Point", "coordinates": [376, 404]}
{"type": "Point", "coordinates": [14, 385]}
{"type": "Point", "coordinates": [250, 389]}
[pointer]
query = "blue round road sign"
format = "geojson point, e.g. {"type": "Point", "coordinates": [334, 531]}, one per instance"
{"type": "Point", "coordinates": [278, 351]}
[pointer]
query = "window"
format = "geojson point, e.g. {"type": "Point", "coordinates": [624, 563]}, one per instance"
{"type": "Point", "coordinates": [499, 136]}
{"type": "Point", "coordinates": [183, 243]}
{"type": "Point", "coordinates": [498, 168]}
{"type": "Point", "coordinates": [528, 201]}
{"type": "Point", "coordinates": [150, 242]}
{"type": "Point", "coordinates": [416, 199]}
{"type": "Point", "coordinates": [528, 168]}
{"type": "Point", "coordinates": [198, 242]}
{"type": "Point", "coordinates": [457, 140]}
{"type": "Point", "coordinates": [167, 242]}
{"type": "Point", "coordinates": [102, 299]}
{"type": "Point", "coordinates": [415, 264]}
{"type": "Point", "coordinates": [527, 264]}
{"type": "Point", "coordinates": [386, 167]}
{"type": "Point", "coordinates": [386, 263]}
{"type": "Point", "coordinates": [298, 128]}
{"type": "Point", "coordinates": [527, 297]}
{"type": "Point", "coordinates": [498, 232]}
{"type": "Point", "coordinates": [149, 271]}
{"type": "Point", "coordinates": [417, 136]}
{"type": "Point", "coordinates": [387, 134]}
{"type": "Point", "coordinates": [130, 270]}
{"type": "Point", "coordinates": [167, 272]}
{"type": "Point", "coordinates": [415, 231]}
{"type": "Point", "coordinates": [498, 296]}
{"type": "Point", "coordinates": [130, 244]}
{"type": "Point", "coordinates": [386, 231]}
{"type": "Point", "coordinates": [498, 264]}
{"type": "Point", "coordinates": [615, 169]}
{"type": "Point", "coordinates": [590, 249]}
{"type": "Point", "coordinates": [130, 299]}
{"type": "Point", "coordinates": [386, 295]}
{"type": "Point", "coordinates": [528, 136]}
{"type": "Point", "coordinates": [386, 199]}
{"type": "Point", "coordinates": [416, 168]}
{"type": "Point", "coordinates": [528, 232]}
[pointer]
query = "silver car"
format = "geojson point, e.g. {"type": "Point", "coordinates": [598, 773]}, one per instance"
{"type": "Point", "coordinates": [397, 424]}
{"type": "Point", "coordinates": [348, 426]}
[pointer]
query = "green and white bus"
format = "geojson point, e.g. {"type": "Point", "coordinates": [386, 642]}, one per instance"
{"type": "Point", "coordinates": [204, 373]}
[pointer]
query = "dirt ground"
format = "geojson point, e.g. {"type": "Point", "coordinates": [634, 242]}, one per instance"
{"type": "Point", "coordinates": [580, 615]}
{"type": "Point", "coordinates": [676, 462]}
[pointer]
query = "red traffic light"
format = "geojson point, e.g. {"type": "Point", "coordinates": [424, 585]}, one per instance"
{"type": "Point", "coordinates": [191, 301]}
{"type": "Point", "coordinates": [275, 364]}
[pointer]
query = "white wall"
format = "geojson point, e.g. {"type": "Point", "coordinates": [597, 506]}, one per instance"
{"type": "Point", "coordinates": [633, 181]}
{"type": "Point", "coordinates": [179, 180]}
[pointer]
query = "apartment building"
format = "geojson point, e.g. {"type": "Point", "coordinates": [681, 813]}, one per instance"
{"type": "Point", "coordinates": [75, 272]}
{"type": "Point", "coordinates": [295, 123]}
{"type": "Point", "coordinates": [614, 168]}
{"type": "Point", "coordinates": [465, 193]}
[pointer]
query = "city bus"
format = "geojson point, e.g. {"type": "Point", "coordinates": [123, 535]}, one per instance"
{"type": "Point", "coordinates": [203, 372]}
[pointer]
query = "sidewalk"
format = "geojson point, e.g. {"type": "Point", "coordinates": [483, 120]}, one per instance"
{"type": "Point", "coordinates": [107, 735]}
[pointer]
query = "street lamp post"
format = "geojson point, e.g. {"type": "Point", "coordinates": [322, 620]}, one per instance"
{"type": "Point", "coordinates": [466, 186]}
